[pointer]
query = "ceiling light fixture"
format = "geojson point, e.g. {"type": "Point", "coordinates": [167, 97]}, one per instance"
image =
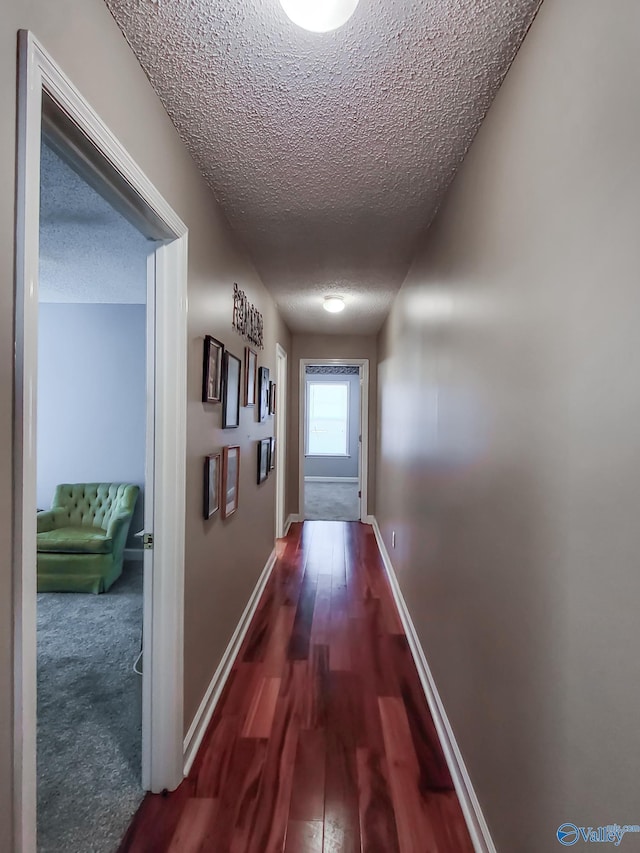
{"type": "Point", "coordinates": [319, 16]}
{"type": "Point", "coordinates": [333, 304]}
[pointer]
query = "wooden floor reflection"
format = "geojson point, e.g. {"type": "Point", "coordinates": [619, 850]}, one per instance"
{"type": "Point", "coordinates": [322, 740]}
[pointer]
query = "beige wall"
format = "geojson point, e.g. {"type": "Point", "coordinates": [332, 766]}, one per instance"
{"type": "Point", "coordinates": [223, 560]}
{"type": "Point", "coordinates": [509, 450]}
{"type": "Point", "coordinates": [324, 347]}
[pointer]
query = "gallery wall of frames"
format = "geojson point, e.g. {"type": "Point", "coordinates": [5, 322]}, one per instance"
{"type": "Point", "coordinates": [233, 383]}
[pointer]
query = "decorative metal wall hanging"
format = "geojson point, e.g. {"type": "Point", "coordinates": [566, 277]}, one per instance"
{"type": "Point", "coordinates": [247, 320]}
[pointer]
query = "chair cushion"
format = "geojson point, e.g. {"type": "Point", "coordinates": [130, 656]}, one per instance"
{"type": "Point", "coordinates": [75, 540]}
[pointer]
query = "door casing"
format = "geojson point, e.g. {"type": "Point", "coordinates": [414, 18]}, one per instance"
{"type": "Point", "coordinates": [41, 81]}
{"type": "Point", "coordinates": [281, 439]}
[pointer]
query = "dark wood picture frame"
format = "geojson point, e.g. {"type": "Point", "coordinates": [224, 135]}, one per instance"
{"type": "Point", "coordinates": [231, 391]}
{"type": "Point", "coordinates": [212, 370]}
{"type": "Point", "coordinates": [230, 479]}
{"type": "Point", "coordinates": [264, 448]}
{"type": "Point", "coordinates": [272, 398]}
{"type": "Point", "coordinates": [272, 453]}
{"type": "Point", "coordinates": [212, 483]}
{"type": "Point", "coordinates": [263, 390]}
{"type": "Point", "coordinates": [250, 376]}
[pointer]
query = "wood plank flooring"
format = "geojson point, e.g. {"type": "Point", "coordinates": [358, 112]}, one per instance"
{"type": "Point", "coordinates": [322, 741]}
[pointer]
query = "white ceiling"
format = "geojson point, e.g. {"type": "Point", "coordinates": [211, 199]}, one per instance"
{"type": "Point", "coordinates": [88, 251]}
{"type": "Point", "coordinates": [329, 152]}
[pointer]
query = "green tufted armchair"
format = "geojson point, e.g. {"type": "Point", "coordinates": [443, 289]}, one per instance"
{"type": "Point", "coordinates": [81, 538]}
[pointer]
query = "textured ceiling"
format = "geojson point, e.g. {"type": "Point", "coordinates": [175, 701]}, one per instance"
{"type": "Point", "coordinates": [88, 251]}
{"type": "Point", "coordinates": [329, 152]}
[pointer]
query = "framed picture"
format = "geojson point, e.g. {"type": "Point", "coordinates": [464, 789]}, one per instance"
{"type": "Point", "coordinates": [212, 370]}
{"type": "Point", "coordinates": [250, 376]}
{"type": "Point", "coordinates": [264, 448]}
{"type": "Point", "coordinates": [231, 392]}
{"type": "Point", "coordinates": [272, 398]}
{"type": "Point", "coordinates": [263, 390]}
{"type": "Point", "coordinates": [211, 484]}
{"type": "Point", "coordinates": [230, 479]}
{"type": "Point", "coordinates": [272, 453]}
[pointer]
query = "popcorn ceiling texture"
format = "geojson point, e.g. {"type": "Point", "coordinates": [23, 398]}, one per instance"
{"type": "Point", "coordinates": [328, 152]}
{"type": "Point", "coordinates": [88, 251]}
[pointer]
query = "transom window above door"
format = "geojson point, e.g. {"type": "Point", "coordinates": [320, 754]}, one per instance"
{"type": "Point", "coordinates": [327, 432]}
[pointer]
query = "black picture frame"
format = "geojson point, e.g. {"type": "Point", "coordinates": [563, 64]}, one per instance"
{"type": "Point", "coordinates": [250, 377]}
{"type": "Point", "coordinates": [212, 484]}
{"type": "Point", "coordinates": [272, 453]}
{"type": "Point", "coordinates": [263, 390]}
{"type": "Point", "coordinates": [212, 370]}
{"type": "Point", "coordinates": [264, 448]}
{"type": "Point", "coordinates": [231, 391]}
{"type": "Point", "coordinates": [272, 398]}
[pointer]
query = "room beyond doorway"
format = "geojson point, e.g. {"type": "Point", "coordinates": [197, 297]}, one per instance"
{"type": "Point", "coordinates": [91, 429]}
{"type": "Point", "coordinates": [331, 418]}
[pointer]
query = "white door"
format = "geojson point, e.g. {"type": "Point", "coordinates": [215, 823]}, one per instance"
{"type": "Point", "coordinates": [147, 553]}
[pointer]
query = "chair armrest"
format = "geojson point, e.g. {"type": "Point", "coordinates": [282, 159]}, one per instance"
{"type": "Point", "coordinates": [49, 520]}
{"type": "Point", "coordinates": [117, 523]}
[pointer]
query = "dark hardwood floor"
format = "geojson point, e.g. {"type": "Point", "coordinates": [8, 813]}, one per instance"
{"type": "Point", "coordinates": [322, 740]}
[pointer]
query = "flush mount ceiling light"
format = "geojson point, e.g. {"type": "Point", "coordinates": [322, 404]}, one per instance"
{"type": "Point", "coordinates": [333, 304]}
{"type": "Point", "coordinates": [319, 16]}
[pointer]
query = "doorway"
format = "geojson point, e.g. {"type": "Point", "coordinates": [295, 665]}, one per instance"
{"type": "Point", "coordinates": [49, 104]}
{"type": "Point", "coordinates": [333, 439]}
{"type": "Point", "coordinates": [91, 432]}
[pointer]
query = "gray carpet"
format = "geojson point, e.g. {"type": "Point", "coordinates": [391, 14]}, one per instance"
{"type": "Point", "coordinates": [331, 501]}
{"type": "Point", "coordinates": [89, 716]}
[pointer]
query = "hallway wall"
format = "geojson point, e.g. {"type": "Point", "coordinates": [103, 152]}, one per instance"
{"type": "Point", "coordinates": [223, 560]}
{"type": "Point", "coordinates": [325, 347]}
{"type": "Point", "coordinates": [508, 456]}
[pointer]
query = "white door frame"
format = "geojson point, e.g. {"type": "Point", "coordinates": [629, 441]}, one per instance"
{"type": "Point", "coordinates": [163, 628]}
{"type": "Point", "coordinates": [363, 452]}
{"type": "Point", "coordinates": [281, 438]}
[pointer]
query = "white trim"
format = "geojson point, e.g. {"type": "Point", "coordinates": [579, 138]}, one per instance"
{"type": "Point", "coordinates": [281, 439]}
{"type": "Point", "coordinates": [363, 455]}
{"type": "Point", "coordinates": [476, 824]}
{"type": "Point", "coordinates": [147, 554]}
{"type": "Point", "coordinates": [292, 519]}
{"type": "Point", "coordinates": [204, 713]}
{"type": "Point", "coordinates": [164, 638]}
{"type": "Point", "coordinates": [39, 74]}
{"type": "Point", "coordinates": [24, 453]}
{"type": "Point", "coordinates": [331, 479]}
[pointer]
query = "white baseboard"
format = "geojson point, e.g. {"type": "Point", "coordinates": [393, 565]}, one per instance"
{"type": "Point", "coordinates": [204, 713]}
{"type": "Point", "coordinates": [476, 824]}
{"type": "Point", "coordinates": [369, 519]}
{"type": "Point", "coordinates": [331, 480]}
{"type": "Point", "coordinates": [290, 520]}
{"type": "Point", "coordinates": [133, 553]}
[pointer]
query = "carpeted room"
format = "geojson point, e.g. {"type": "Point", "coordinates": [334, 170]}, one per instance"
{"type": "Point", "coordinates": [91, 433]}
{"type": "Point", "coordinates": [89, 715]}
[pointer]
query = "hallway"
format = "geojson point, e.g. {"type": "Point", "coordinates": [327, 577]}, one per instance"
{"type": "Point", "coordinates": [322, 740]}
